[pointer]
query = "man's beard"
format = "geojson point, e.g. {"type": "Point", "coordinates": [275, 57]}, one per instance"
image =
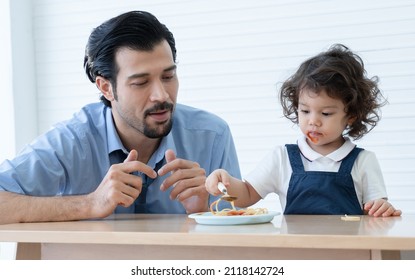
{"type": "Point", "coordinates": [155, 132]}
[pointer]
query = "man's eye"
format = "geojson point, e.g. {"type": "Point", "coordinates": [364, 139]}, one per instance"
{"type": "Point", "coordinates": [139, 84]}
{"type": "Point", "coordinates": [167, 78]}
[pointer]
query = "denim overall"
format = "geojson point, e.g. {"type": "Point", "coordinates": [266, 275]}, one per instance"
{"type": "Point", "coordinates": [320, 192]}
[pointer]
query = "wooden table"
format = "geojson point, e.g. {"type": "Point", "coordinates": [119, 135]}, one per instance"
{"type": "Point", "coordinates": [154, 236]}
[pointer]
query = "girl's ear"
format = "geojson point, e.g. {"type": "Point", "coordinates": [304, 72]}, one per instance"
{"type": "Point", "coordinates": [105, 87]}
{"type": "Point", "coordinates": [351, 121]}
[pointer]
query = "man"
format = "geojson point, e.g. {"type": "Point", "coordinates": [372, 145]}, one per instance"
{"type": "Point", "coordinates": [136, 152]}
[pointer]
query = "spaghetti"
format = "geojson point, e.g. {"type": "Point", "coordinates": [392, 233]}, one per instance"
{"type": "Point", "coordinates": [233, 211]}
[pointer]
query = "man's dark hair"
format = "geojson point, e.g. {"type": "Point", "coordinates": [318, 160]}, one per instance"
{"type": "Point", "coordinates": [136, 30]}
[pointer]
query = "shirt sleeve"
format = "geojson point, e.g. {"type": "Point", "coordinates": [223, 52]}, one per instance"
{"type": "Point", "coordinates": [271, 173]}
{"type": "Point", "coordinates": [368, 178]}
{"type": "Point", "coordinates": [60, 162]}
{"type": "Point", "coordinates": [37, 169]}
{"type": "Point", "coordinates": [224, 154]}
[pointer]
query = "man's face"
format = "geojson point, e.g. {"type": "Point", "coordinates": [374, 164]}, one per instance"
{"type": "Point", "coordinates": [146, 92]}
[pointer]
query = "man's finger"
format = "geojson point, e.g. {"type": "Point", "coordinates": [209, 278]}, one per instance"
{"type": "Point", "coordinates": [134, 165]}
{"type": "Point", "coordinates": [133, 155]}
{"type": "Point", "coordinates": [170, 156]}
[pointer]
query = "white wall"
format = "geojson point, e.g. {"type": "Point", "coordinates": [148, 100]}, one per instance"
{"type": "Point", "coordinates": [232, 57]}
{"type": "Point", "coordinates": [23, 72]}
{"type": "Point", "coordinates": [17, 79]}
{"type": "Point", "coordinates": [7, 141]}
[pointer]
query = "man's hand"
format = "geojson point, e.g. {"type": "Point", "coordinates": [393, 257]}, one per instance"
{"type": "Point", "coordinates": [188, 181]}
{"type": "Point", "coordinates": [119, 186]}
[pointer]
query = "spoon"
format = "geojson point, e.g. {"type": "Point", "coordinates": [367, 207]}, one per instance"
{"type": "Point", "coordinates": [225, 196]}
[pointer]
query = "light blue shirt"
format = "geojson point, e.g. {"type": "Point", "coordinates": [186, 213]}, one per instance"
{"type": "Point", "coordinates": [74, 156]}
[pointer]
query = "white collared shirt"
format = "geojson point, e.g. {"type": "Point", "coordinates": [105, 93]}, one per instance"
{"type": "Point", "coordinates": [273, 173]}
{"type": "Point", "coordinates": [314, 161]}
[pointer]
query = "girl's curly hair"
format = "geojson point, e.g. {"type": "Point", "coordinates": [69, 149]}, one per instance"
{"type": "Point", "coordinates": [341, 74]}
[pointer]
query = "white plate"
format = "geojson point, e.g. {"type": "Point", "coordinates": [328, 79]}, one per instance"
{"type": "Point", "coordinates": [207, 218]}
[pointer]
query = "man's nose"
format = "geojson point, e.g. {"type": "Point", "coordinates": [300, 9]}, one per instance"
{"type": "Point", "coordinates": [158, 92]}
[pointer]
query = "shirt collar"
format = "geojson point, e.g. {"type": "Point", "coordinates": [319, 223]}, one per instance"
{"type": "Point", "coordinates": [114, 141]}
{"type": "Point", "coordinates": [337, 155]}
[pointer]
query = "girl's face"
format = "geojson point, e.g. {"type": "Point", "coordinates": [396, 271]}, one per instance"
{"type": "Point", "coordinates": [322, 119]}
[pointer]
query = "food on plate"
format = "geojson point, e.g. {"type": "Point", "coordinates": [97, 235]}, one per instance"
{"type": "Point", "coordinates": [233, 211]}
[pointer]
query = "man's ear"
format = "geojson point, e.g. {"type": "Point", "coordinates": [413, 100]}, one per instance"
{"type": "Point", "coordinates": [105, 87]}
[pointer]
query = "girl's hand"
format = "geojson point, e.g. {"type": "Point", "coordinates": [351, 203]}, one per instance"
{"type": "Point", "coordinates": [380, 208]}
{"type": "Point", "coordinates": [219, 175]}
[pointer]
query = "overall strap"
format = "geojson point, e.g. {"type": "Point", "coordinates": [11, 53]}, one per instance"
{"type": "Point", "coordinates": [347, 163]}
{"type": "Point", "coordinates": [294, 155]}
